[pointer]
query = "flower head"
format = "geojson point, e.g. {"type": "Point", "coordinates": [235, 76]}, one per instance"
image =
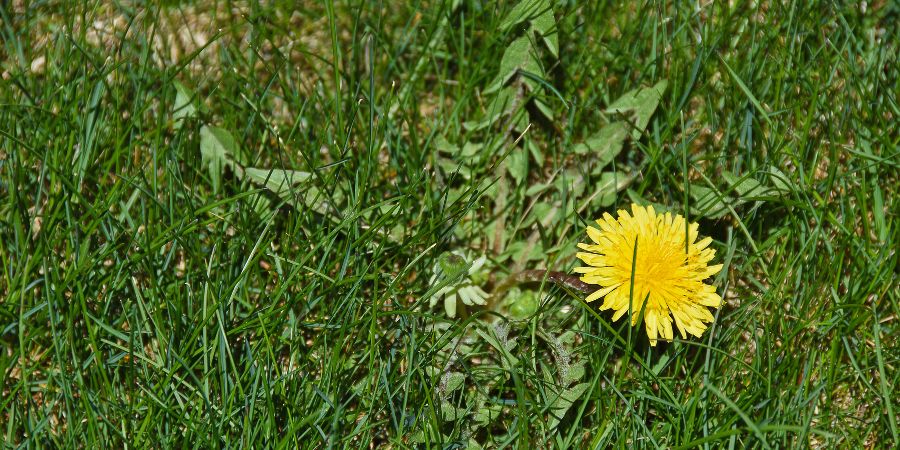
{"type": "Point", "coordinates": [670, 266]}
{"type": "Point", "coordinates": [460, 277]}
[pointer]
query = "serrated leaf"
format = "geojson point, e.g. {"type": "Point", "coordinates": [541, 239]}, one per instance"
{"type": "Point", "coordinates": [471, 149]}
{"type": "Point", "coordinates": [520, 121]}
{"type": "Point", "coordinates": [712, 204]}
{"type": "Point", "coordinates": [184, 104]}
{"type": "Point", "coordinates": [518, 56]}
{"type": "Point", "coordinates": [450, 412]}
{"type": "Point", "coordinates": [511, 344]}
{"type": "Point", "coordinates": [575, 373]}
{"type": "Point", "coordinates": [293, 187]}
{"type": "Point", "coordinates": [535, 152]}
{"type": "Point", "coordinates": [398, 232]}
{"type": "Point", "coordinates": [217, 151]}
{"type": "Point", "coordinates": [605, 190]}
{"type": "Point", "coordinates": [642, 102]}
{"type": "Point", "coordinates": [490, 191]}
{"type": "Point", "coordinates": [223, 139]}
{"type": "Point", "coordinates": [281, 182]}
{"type": "Point", "coordinates": [524, 10]}
{"type": "Point", "coordinates": [455, 381]}
{"type": "Point", "coordinates": [571, 182]}
{"type": "Point", "coordinates": [660, 364]}
{"type": "Point", "coordinates": [487, 414]}
{"type": "Point", "coordinates": [537, 188]}
{"type": "Point", "coordinates": [261, 206]}
{"type": "Point", "coordinates": [517, 164]}
{"type": "Point", "coordinates": [605, 144]}
{"type": "Point", "coordinates": [501, 104]}
{"type": "Point", "coordinates": [508, 360]}
{"type": "Point", "coordinates": [542, 107]}
{"type": "Point", "coordinates": [517, 251]}
{"type": "Point", "coordinates": [545, 25]}
{"type": "Point", "coordinates": [450, 166]}
{"type": "Point", "coordinates": [454, 195]}
{"type": "Point", "coordinates": [418, 437]}
{"type": "Point", "coordinates": [780, 181]}
{"type": "Point", "coordinates": [746, 187]}
{"type": "Point", "coordinates": [540, 211]}
{"type": "Point", "coordinates": [640, 200]}
{"type": "Point", "coordinates": [567, 337]}
{"type": "Point", "coordinates": [708, 203]}
{"type": "Point", "coordinates": [564, 401]}
{"type": "Point", "coordinates": [441, 144]}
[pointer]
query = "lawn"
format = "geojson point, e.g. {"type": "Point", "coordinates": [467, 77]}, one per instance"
{"type": "Point", "coordinates": [354, 225]}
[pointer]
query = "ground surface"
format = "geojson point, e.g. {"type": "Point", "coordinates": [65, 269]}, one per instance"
{"type": "Point", "coordinates": [161, 286]}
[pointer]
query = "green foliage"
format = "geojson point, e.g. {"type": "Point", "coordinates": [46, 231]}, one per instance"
{"type": "Point", "coordinates": [222, 224]}
{"type": "Point", "coordinates": [639, 104]}
{"type": "Point", "coordinates": [519, 56]}
{"type": "Point", "coordinates": [522, 304]}
{"type": "Point", "coordinates": [218, 150]}
{"type": "Point", "coordinates": [185, 104]}
{"type": "Point", "coordinates": [712, 203]}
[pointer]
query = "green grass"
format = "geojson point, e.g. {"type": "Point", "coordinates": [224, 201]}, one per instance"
{"type": "Point", "coordinates": [144, 302]}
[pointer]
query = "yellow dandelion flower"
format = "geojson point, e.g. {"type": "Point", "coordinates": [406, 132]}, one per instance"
{"type": "Point", "coordinates": [668, 275]}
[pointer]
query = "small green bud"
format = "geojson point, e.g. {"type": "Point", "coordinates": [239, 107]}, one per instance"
{"type": "Point", "coordinates": [522, 304]}
{"type": "Point", "coordinates": [452, 265]}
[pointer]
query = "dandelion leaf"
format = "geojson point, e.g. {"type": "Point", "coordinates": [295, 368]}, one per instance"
{"type": "Point", "coordinates": [518, 56]}
{"type": "Point", "coordinates": [184, 104]}
{"type": "Point", "coordinates": [500, 105]}
{"type": "Point", "coordinates": [545, 26]}
{"type": "Point", "coordinates": [523, 11]}
{"type": "Point", "coordinates": [517, 164]}
{"type": "Point", "coordinates": [455, 381]}
{"type": "Point", "coordinates": [605, 144]}
{"type": "Point", "coordinates": [451, 412]}
{"type": "Point", "coordinates": [709, 202]}
{"type": "Point", "coordinates": [605, 189]}
{"type": "Point", "coordinates": [218, 150]}
{"type": "Point", "coordinates": [294, 187]}
{"type": "Point", "coordinates": [281, 182]}
{"type": "Point", "coordinates": [564, 401]}
{"type": "Point", "coordinates": [747, 188]}
{"type": "Point", "coordinates": [640, 103]}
